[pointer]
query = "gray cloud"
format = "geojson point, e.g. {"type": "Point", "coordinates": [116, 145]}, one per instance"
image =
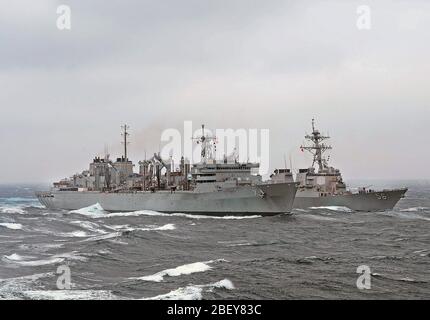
{"type": "Point", "coordinates": [251, 64]}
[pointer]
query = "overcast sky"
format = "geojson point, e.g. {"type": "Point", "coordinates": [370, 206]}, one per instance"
{"type": "Point", "coordinates": [227, 63]}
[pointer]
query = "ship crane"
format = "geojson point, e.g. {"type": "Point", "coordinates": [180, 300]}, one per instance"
{"type": "Point", "coordinates": [161, 161]}
{"type": "Point", "coordinates": [107, 172]}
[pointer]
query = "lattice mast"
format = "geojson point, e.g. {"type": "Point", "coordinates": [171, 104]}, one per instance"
{"type": "Point", "coordinates": [317, 148]}
{"type": "Point", "coordinates": [208, 145]}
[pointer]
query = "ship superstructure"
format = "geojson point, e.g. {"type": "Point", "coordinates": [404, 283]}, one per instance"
{"type": "Point", "coordinates": [322, 185]}
{"type": "Point", "coordinates": [320, 176]}
{"type": "Point", "coordinates": [208, 187]}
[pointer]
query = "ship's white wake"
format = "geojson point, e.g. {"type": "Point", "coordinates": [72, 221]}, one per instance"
{"type": "Point", "coordinates": [183, 215]}
{"type": "Point", "coordinates": [407, 215]}
{"type": "Point", "coordinates": [126, 227]}
{"type": "Point", "coordinates": [333, 208]}
{"type": "Point", "coordinates": [97, 211]}
{"type": "Point", "coordinates": [415, 209]}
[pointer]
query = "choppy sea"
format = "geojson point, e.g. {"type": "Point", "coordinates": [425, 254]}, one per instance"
{"type": "Point", "coordinates": [312, 254]}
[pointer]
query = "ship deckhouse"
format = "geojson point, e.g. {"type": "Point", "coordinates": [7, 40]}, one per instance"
{"type": "Point", "coordinates": [320, 176]}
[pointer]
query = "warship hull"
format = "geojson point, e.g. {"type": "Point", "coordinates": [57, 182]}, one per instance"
{"type": "Point", "coordinates": [264, 199]}
{"type": "Point", "coordinates": [369, 201]}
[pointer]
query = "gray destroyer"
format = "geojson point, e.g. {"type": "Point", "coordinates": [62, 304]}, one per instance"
{"type": "Point", "coordinates": [322, 185]}
{"type": "Point", "coordinates": [209, 187]}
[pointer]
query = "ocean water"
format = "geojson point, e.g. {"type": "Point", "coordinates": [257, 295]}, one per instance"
{"type": "Point", "coordinates": [312, 254]}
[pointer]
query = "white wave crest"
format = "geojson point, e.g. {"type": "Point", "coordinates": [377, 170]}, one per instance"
{"type": "Point", "coordinates": [120, 229]}
{"type": "Point", "coordinates": [181, 270]}
{"type": "Point", "coordinates": [40, 247]}
{"type": "Point", "coordinates": [91, 226]}
{"type": "Point", "coordinates": [236, 243]}
{"type": "Point", "coordinates": [17, 257]}
{"type": "Point", "coordinates": [300, 210]}
{"type": "Point", "coordinates": [73, 234]}
{"type": "Point", "coordinates": [95, 211]}
{"type": "Point", "coordinates": [184, 215]}
{"type": "Point", "coordinates": [58, 258]}
{"type": "Point", "coordinates": [333, 208]}
{"type": "Point", "coordinates": [415, 209]}
{"type": "Point", "coordinates": [135, 214]}
{"type": "Point", "coordinates": [107, 236]}
{"type": "Point", "coordinates": [12, 226]}
{"type": "Point", "coordinates": [166, 227]}
{"type": "Point", "coordinates": [187, 293]}
{"type": "Point", "coordinates": [12, 209]}
{"type": "Point", "coordinates": [126, 227]}
{"type": "Point", "coordinates": [193, 292]}
{"type": "Point", "coordinates": [224, 284]}
{"type": "Point", "coordinates": [243, 244]}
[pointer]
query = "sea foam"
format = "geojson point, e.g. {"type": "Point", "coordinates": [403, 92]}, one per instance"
{"type": "Point", "coordinates": [70, 295]}
{"type": "Point", "coordinates": [58, 258]}
{"type": "Point", "coordinates": [183, 215]}
{"type": "Point", "coordinates": [97, 211]}
{"type": "Point", "coordinates": [12, 209]}
{"type": "Point", "coordinates": [181, 270]}
{"type": "Point", "coordinates": [193, 292]}
{"type": "Point", "coordinates": [90, 226]}
{"type": "Point", "coordinates": [187, 293]}
{"type": "Point", "coordinates": [333, 208]}
{"type": "Point", "coordinates": [12, 226]}
{"type": "Point", "coordinates": [414, 209]}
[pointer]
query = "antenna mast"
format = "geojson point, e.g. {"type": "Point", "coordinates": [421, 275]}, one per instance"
{"type": "Point", "coordinates": [204, 140]}
{"type": "Point", "coordinates": [317, 148]}
{"type": "Point", "coordinates": [106, 152]}
{"type": "Point", "coordinates": [125, 134]}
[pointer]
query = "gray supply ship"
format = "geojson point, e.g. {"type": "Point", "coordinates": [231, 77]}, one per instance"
{"type": "Point", "coordinates": [209, 187]}
{"type": "Point", "coordinates": [323, 186]}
